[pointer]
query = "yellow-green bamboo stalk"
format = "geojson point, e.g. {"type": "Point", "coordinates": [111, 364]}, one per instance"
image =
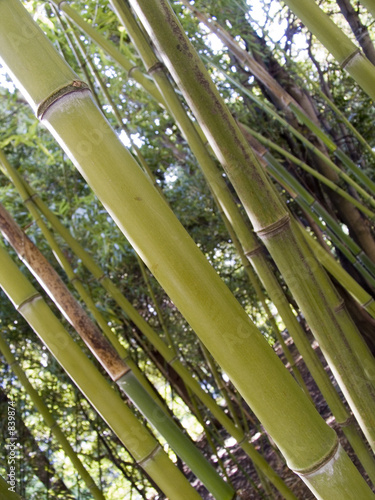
{"type": "Point", "coordinates": [344, 278]}
{"type": "Point", "coordinates": [65, 106]}
{"type": "Point", "coordinates": [220, 384]}
{"type": "Point", "coordinates": [111, 361]}
{"type": "Point", "coordinates": [74, 280]}
{"type": "Point", "coordinates": [271, 221]}
{"type": "Point", "coordinates": [136, 151]}
{"type": "Point", "coordinates": [347, 54]}
{"type": "Point", "coordinates": [168, 354]}
{"type": "Point", "coordinates": [139, 442]}
{"type": "Point", "coordinates": [285, 100]}
{"type": "Point", "coordinates": [227, 207]}
{"type": "Point", "coordinates": [50, 421]}
{"type": "Point", "coordinates": [264, 269]}
{"type": "Point", "coordinates": [6, 493]}
{"type": "Point", "coordinates": [323, 179]}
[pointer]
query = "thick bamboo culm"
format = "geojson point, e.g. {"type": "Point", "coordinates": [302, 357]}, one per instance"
{"type": "Point", "coordinates": [209, 169]}
{"type": "Point", "coordinates": [66, 107]}
{"type": "Point", "coordinates": [109, 358]}
{"type": "Point", "coordinates": [151, 62]}
{"type": "Point", "coordinates": [168, 354]}
{"type": "Point", "coordinates": [311, 287]}
{"type": "Point", "coordinates": [347, 54]}
{"type": "Point", "coordinates": [223, 198]}
{"type": "Point", "coordinates": [29, 199]}
{"type": "Point", "coordinates": [50, 421]}
{"type": "Point", "coordinates": [139, 442]}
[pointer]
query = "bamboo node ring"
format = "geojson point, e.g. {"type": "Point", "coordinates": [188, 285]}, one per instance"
{"type": "Point", "coordinates": [325, 461]}
{"type": "Point", "coordinates": [155, 67]}
{"type": "Point", "coordinates": [244, 439]}
{"type": "Point", "coordinates": [173, 360]}
{"type": "Point", "coordinates": [26, 301]}
{"type": "Point", "coordinates": [339, 307]}
{"type": "Point", "coordinates": [274, 228]}
{"type": "Point", "coordinates": [366, 304]}
{"type": "Point", "coordinates": [150, 456]}
{"type": "Point", "coordinates": [347, 422]}
{"type": "Point", "coordinates": [255, 251]}
{"type": "Point", "coordinates": [132, 69]}
{"type": "Point", "coordinates": [347, 60]}
{"type": "Point", "coordinates": [74, 86]}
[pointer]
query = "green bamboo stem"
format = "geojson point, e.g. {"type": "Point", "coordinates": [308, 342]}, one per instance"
{"type": "Point", "coordinates": [263, 269]}
{"type": "Point", "coordinates": [306, 279]}
{"type": "Point", "coordinates": [342, 117]}
{"type": "Point", "coordinates": [151, 64]}
{"type": "Point", "coordinates": [331, 185]}
{"type": "Point", "coordinates": [216, 183]}
{"type": "Point", "coordinates": [314, 365]}
{"type": "Point", "coordinates": [344, 278]}
{"type": "Point", "coordinates": [347, 54]}
{"type": "Point", "coordinates": [50, 421]}
{"type": "Point", "coordinates": [111, 361]}
{"type": "Point", "coordinates": [209, 439]}
{"type": "Point", "coordinates": [167, 353]}
{"type": "Point", "coordinates": [174, 259]}
{"type": "Point", "coordinates": [74, 280]}
{"type": "Point", "coordinates": [5, 493]}
{"type": "Point", "coordinates": [364, 194]}
{"type": "Point", "coordinates": [361, 176]}
{"type": "Point", "coordinates": [350, 249]}
{"type": "Point", "coordinates": [155, 304]}
{"type": "Point", "coordinates": [339, 238]}
{"type": "Point", "coordinates": [294, 189]}
{"type": "Point", "coordinates": [139, 442]}
{"type": "Point", "coordinates": [136, 151]}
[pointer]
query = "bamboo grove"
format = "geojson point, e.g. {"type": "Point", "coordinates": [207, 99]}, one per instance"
{"type": "Point", "coordinates": [187, 260]}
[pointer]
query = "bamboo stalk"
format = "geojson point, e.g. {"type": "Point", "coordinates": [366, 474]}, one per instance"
{"type": "Point", "coordinates": [167, 353]}
{"type": "Point", "coordinates": [111, 361]}
{"type": "Point", "coordinates": [270, 219]}
{"type": "Point", "coordinates": [129, 66]}
{"type": "Point", "coordinates": [174, 259]}
{"type": "Point", "coordinates": [6, 493]}
{"type": "Point", "coordinates": [327, 182]}
{"type": "Point", "coordinates": [50, 421]}
{"type": "Point", "coordinates": [139, 442]}
{"type": "Point", "coordinates": [344, 278]}
{"type": "Point", "coordinates": [347, 54]}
